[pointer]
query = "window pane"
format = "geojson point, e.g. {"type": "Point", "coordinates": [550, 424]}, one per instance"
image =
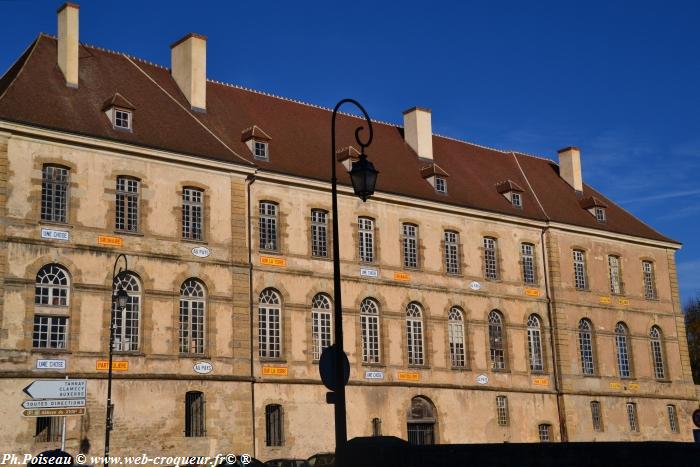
{"type": "Point", "coordinates": [502, 410]}
{"type": "Point", "coordinates": [414, 334]}
{"type": "Point", "coordinates": [527, 258]}
{"type": "Point", "coordinates": [54, 194]}
{"type": "Point", "coordinates": [596, 416]}
{"type": "Point", "coordinates": [534, 344]}
{"type": "Point", "coordinates": [585, 342]}
{"type": "Point", "coordinates": [614, 271]}
{"type": "Point", "coordinates": [268, 226]}
{"type": "Point", "coordinates": [366, 238]}
{"type": "Point", "coordinates": [496, 342]}
{"type": "Point", "coordinates": [580, 270]}
{"type": "Point", "coordinates": [452, 252]}
{"type": "Point", "coordinates": [320, 324]}
{"type": "Point", "coordinates": [490, 258]}
{"type": "Point", "coordinates": [369, 324]}
{"type": "Point", "coordinates": [410, 246]}
{"type": "Point", "coordinates": [455, 332]}
{"type": "Point", "coordinates": [623, 363]}
{"type": "Point", "coordinates": [192, 214]}
{"type": "Point", "coordinates": [319, 233]}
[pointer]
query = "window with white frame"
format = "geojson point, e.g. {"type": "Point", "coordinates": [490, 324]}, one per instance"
{"type": "Point", "coordinates": [672, 418]}
{"type": "Point", "coordinates": [127, 208]}
{"type": "Point", "coordinates": [534, 344]}
{"type": "Point", "coordinates": [414, 333]}
{"type": "Point", "coordinates": [195, 419]}
{"type": "Point", "coordinates": [260, 150]}
{"type": "Point", "coordinates": [615, 276]}
{"type": "Point", "coordinates": [192, 214]}
{"type": "Point", "coordinates": [649, 280]}
{"type": "Point", "coordinates": [192, 314]}
{"type": "Point", "coordinates": [320, 324]}
{"type": "Point", "coordinates": [585, 345]}
{"type": "Point", "coordinates": [273, 425]}
{"type": "Point", "coordinates": [269, 324]}
{"type": "Point", "coordinates": [657, 353]}
{"type": "Point", "coordinates": [596, 416]}
{"type": "Point", "coordinates": [497, 349]}
{"type": "Point", "coordinates": [122, 119]}
{"type": "Point", "coordinates": [268, 225]}
{"type": "Point", "coordinates": [50, 332]}
{"type": "Point", "coordinates": [600, 215]}
{"type": "Point", "coordinates": [451, 252]}
{"type": "Point", "coordinates": [490, 258]}
{"type": "Point", "coordinates": [580, 277]}
{"type": "Point", "coordinates": [126, 320]}
{"type": "Point", "coordinates": [545, 432]}
{"type": "Point", "coordinates": [527, 260]}
{"type": "Point", "coordinates": [410, 245]}
{"type": "Point", "coordinates": [516, 199]}
{"type": "Point", "coordinates": [632, 416]}
{"type": "Point", "coordinates": [55, 181]}
{"type": "Point", "coordinates": [440, 184]}
{"type": "Point", "coordinates": [455, 335]}
{"type": "Point", "coordinates": [365, 226]}
{"type": "Point", "coordinates": [319, 233]}
{"type": "Point", "coordinates": [622, 350]}
{"type": "Point", "coordinates": [52, 286]}
{"type": "Point", "coordinates": [369, 330]}
{"type": "Point", "coordinates": [502, 410]}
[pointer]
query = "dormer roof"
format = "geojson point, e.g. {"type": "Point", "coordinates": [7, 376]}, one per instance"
{"type": "Point", "coordinates": [507, 186]}
{"type": "Point", "coordinates": [432, 170]}
{"type": "Point", "coordinates": [254, 132]}
{"type": "Point", "coordinates": [117, 100]}
{"type": "Point", "coordinates": [592, 202]}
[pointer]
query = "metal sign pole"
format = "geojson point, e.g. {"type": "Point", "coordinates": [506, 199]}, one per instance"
{"type": "Point", "coordinates": [63, 432]}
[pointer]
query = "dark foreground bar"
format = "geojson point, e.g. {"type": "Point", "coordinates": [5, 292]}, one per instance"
{"type": "Point", "coordinates": [393, 452]}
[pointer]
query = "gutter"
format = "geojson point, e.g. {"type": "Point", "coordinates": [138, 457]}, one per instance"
{"type": "Point", "coordinates": [250, 179]}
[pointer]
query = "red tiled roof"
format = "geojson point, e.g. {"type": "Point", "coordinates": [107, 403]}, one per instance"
{"type": "Point", "coordinates": [508, 185]}
{"type": "Point", "coordinates": [36, 94]}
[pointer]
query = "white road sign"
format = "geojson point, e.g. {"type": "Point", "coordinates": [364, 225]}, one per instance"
{"type": "Point", "coordinates": [53, 403]}
{"type": "Point", "coordinates": [57, 389]}
{"type": "Point", "coordinates": [50, 364]}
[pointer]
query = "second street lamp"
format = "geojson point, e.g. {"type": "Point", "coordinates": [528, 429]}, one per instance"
{"type": "Point", "coordinates": [363, 176]}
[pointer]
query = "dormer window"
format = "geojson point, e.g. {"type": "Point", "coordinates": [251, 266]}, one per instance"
{"type": "Point", "coordinates": [260, 150]}
{"type": "Point", "coordinates": [596, 207]}
{"type": "Point", "coordinates": [120, 112]}
{"type": "Point", "coordinates": [600, 215]}
{"type": "Point", "coordinates": [258, 142]}
{"type": "Point", "coordinates": [441, 185]}
{"type": "Point", "coordinates": [512, 192]}
{"type": "Point", "coordinates": [516, 199]}
{"type": "Point", "coordinates": [122, 119]}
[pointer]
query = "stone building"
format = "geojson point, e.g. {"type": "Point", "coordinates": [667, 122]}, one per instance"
{"type": "Point", "coordinates": [489, 295]}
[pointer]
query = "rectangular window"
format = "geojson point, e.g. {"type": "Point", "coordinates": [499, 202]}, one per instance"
{"type": "Point", "coordinates": [194, 415]}
{"type": "Point", "coordinates": [672, 418]}
{"type": "Point", "coordinates": [48, 429]}
{"type": "Point", "coordinates": [545, 431]}
{"type": "Point", "coordinates": [441, 185]}
{"type": "Point", "coordinates": [127, 209]}
{"type": "Point", "coordinates": [365, 227]}
{"type": "Point", "coordinates": [268, 226]}
{"type": "Point", "coordinates": [490, 258]}
{"type": "Point", "coordinates": [320, 331]}
{"type": "Point", "coordinates": [414, 329]}
{"type": "Point", "coordinates": [410, 246]}
{"type": "Point", "coordinates": [452, 252]}
{"type": "Point", "coordinates": [600, 215]}
{"type": "Point", "coordinates": [192, 214]}
{"type": "Point", "coordinates": [596, 416]}
{"type": "Point", "coordinates": [502, 410]}
{"type": "Point", "coordinates": [273, 425]}
{"type": "Point", "coordinates": [260, 151]}
{"type": "Point", "coordinates": [632, 417]}
{"type": "Point", "coordinates": [54, 194]}
{"type": "Point", "coordinates": [580, 270]}
{"type": "Point", "coordinates": [649, 280]}
{"type": "Point", "coordinates": [516, 199]}
{"type": "Point", "coordinates": [122, 119]}
{"type": "Point", "coordinates": [376, 427]}
{"type": "Point", "coordinates": [49, 332]}
{"type": "Point", "coordinates": [527, 259]}
{"type": "Point", "coordinates": [319, 233]}
{"type": "Point", "coordinates": [615, 278]}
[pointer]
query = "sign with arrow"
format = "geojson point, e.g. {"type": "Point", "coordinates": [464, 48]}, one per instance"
{"type": "Point", "coordinates": [53, 412]}
{"type": "Point", "coordinates": [53, 403]}
{"type": "Point", "coordinates": [57, 389]}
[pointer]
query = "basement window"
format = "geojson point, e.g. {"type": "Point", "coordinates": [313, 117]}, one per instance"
{"type": "Point", "coordinates": [122, 119]}
{"type": "Point", "coordinates": [260, 150]}
{"type": "Point", "coordinates": [600, 215]}
{"type": "Point", "coordinates": [441, 185]}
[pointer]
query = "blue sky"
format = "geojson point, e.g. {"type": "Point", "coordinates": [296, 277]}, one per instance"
{"type": "Point", "coordinates": [619, 79]}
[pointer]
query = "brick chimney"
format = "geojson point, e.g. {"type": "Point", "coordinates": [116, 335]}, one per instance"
{"type": "Point", "coordinates": [188, 58]}
{"type": "Point", "coordinates": [570, 167]}
{"type": "Point", "coordinates": [68, 43]}
{"type": "Point", "coordinates": [418, 131]}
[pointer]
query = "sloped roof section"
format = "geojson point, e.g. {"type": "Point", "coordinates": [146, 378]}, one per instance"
{"type": "Point", "coordinates": [38, 96]}
{"type": "Point", "coordinates": [117, 100]}
{"type": "Point", "coordinates": [507, 186]}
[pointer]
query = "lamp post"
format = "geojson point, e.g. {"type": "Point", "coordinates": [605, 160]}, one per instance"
{"type": "Point", "coordinates": [119, 298]}
{"type": "Point", "coordinates": [363, 176]}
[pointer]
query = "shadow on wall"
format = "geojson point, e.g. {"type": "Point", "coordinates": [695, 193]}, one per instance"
{"type": "Point", "coordinates": [386, 451]}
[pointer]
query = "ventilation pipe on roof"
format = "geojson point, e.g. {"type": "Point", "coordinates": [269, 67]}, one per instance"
{"type": "Point", "coordinates": [68, 43]}
{"type": "Point", "coordinates": [418, 131]}
{"type": "Point", "coordinates": [188, 58]}
{"type": "Point", "coordinates": [570, 167]}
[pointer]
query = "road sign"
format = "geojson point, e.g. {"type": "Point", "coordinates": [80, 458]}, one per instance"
{"type": "Point", "coordinates": [50, 364]}
{"type": "Point", "coordinates": [57, 389]}
{"type": "Point", "coordinates": [53, 412]}
{"type": "Point", "coordinates": [53, 403]}
{"type": "Point", "coordinates": [326, 366]}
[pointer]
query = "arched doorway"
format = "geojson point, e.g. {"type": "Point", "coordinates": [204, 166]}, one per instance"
{"type": "Point", "coordinates": [421, 421]}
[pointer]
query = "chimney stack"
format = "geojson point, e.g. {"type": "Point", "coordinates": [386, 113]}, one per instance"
{"type": "Point", "coordinates": [570, 167]}
{"type": "Point", "coordinates": [418, 131]}
{"type": "Point", "coordinates": [68, 43]}
{"type": "Point", "coordinates": [189, 69]}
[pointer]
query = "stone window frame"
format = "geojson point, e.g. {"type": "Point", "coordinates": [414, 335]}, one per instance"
{"type": "Point", "coordinates": [620, 273]}
{"type": "Point", "coordinates": [533, 258]}
{"type": "Point", "coordinates": [329, 233]}
{"type": "Point", "coordinates": [502, 412]}
{"type": "Point", "coordinates": [35, 194]}
{"type": "Point", "coordinates": [594, 353]}
{"type": "Point", "coordinates": [206, 210]}
{"type": "Point", "coordinates": [141, 339]}
{"type": "Point", "coordinates": [659, 353]}
{"type": "Point", "coordinates": [654, 295]}
{"type": "Point", "coordinates": [460, 252]}
{"type": "Point", "coordinates": [597, 416]}
{"type": "Point", "coordinates": [498, 257]}
{"type": "Point", "coordinates": [423, 338]}
{"type": "Point", "coordinates": [195, 415]}
{"type": "Point", "coordinates": [375, 238]}
{"type": "Point", "coordinates": [465, 352]}
{"type": "Point", "coordinates": [380, 333]}
{"type": "Point", "coordinates": [673, 424]}
{"type": "Point", "coordinates": [628, 350]}
{"type": "Point", "coordinates": [275, 439]}
{"type": "Point", "coordinates": [316, 314]}
{"type": "Point", "coordinates": [542, 338]}
{"type": "Point", "coordinates": [205, 317]}
{"type": "Point", "coordinates": [505, 345]}
{"type": "Point", "coordinates": [52, 312]}
{"type": "Point", "coordinates": [404, 245]}
{"type": "Point", "coordinates": [632, 416]}
{"type": "Point", "coordinates": [138, 195]}
{"type": "Point", "coordinates": [586, 281]}
{"type": "Point", "coordinates": [282, 325]}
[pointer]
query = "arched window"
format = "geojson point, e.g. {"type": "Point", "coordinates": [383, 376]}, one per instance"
{"type": "Point", "coordinates": [657, 352]}
{"type": "Point", "coordinates": [126, 320]}
{"type": "Point", "coordinates": [585, 346]}
{"type": "Point", "coordinates": [497, 349]}
{"type": "Point", "coordinates": [195, 419]}
{"type": "Point", "coordinates": [192, 305]}
{"type": "Point", "coordinates": [455, 335]}
{"type": "Point", "coordinates": [269, 324]}
{"type": "Point", "coordinates": [369, 329]}
{"type": "Point", "coordinates": [273, 425]}
{"type": "Point", "coordinates": [414, 333]}
{"type": "Point", "coordinates": [52, 286]}
{"type": "Point", "coordinates": [622, 350]}
{"type": "Point", "coordinates": [534, 344]}
{"type": "Point", "coordinates": [421, 421]}
{"type": "Point", "coordinates": [320, 324]}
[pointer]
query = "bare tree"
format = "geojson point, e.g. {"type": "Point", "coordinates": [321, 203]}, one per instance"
{"type": "Point", "coordinates": [692, 325]}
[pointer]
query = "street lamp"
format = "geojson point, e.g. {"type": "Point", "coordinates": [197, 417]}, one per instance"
{"type": "Point", "coordinates": [364, 177]}
{"type": "Point", "coordinates": [119, 298]}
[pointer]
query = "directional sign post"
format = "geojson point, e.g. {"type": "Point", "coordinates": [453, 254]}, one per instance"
{"type": "Point", "coordinates": [53, 403]}
{"type": "Point", "coordinates": [57, 389]}
{"type": "Point", "coordinates": [53, 412]}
